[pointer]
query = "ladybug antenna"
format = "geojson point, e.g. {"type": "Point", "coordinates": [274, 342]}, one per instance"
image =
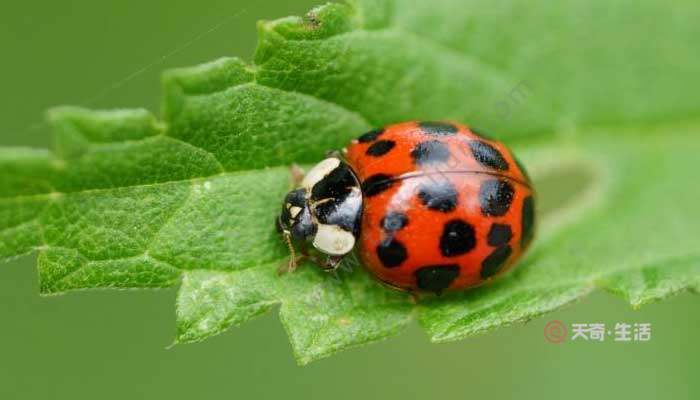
{"type": "Point", "coordinates": [293, 254]}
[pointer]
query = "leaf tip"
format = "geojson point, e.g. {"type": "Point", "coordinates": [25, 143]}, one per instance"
{"type": "Point", "coordinates": [321, 22]}
{"type": "Point", "coordinates": [75, 128]}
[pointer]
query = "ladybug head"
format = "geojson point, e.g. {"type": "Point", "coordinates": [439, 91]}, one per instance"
{"type": "Point", "coordinates": [324, 211]}
{"type": "Point", "coordinates": [295, 219]}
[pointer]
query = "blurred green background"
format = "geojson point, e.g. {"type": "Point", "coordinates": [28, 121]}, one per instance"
{"type": "Point", "coordinates": [112, 345]}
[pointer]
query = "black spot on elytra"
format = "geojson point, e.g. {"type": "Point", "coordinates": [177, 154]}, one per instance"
{"type": "Point", "coordinates": [527, 222]}
{"type": "Point", "coordinates": [458, 237]}
{"type": "Point", "coordinates": [391, 252]}
{"type": "Point", "coordinates": [436, 278]}
{"type": "Point", "coordinates": [480, 133]}
{"type": "Point", "coordinates": [394, 221]}
{"type": "Point", "coordinates": [493, 263]}
{"type": "Point", "coordinates": [437, 128]}
{"type": "Point", "coordinates": [438, 195]}
{"type": "Point", "coordinates": [495, 197]}
{"type": "Point", "coordinates": [336, 184]}
{"type": "Point", "coordinates": [487, 155]}
{"type": "Point", "coordinates": [376, 184]}
{"type": "Point", "coordinates": [370, 136]}
{"type": "Point", "coordinates": [499, 234]}
{"type": "Point", "coordinates": [379, 148]}
{"type": "Point", "coordinates": [430, 152]}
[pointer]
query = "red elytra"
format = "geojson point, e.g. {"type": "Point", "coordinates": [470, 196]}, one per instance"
{"type": "Point", "coordinates": [444, 208]}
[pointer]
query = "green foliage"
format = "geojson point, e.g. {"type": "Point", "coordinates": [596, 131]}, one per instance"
{"type": "Point", "coordinates": [585, 92]}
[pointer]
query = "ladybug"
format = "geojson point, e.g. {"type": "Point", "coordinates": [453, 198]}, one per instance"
{"type": "Point", "coordinates": [429, 206]}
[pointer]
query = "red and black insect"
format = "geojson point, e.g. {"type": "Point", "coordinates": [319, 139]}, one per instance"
{"type": "Point", "coordinates": [430, 206]}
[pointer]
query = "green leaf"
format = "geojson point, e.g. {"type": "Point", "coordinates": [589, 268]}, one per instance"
{"type": "Point", "coordinates": [584, 90]}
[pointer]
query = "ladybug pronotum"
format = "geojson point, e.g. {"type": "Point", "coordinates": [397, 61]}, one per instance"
{"type": "Point", "coordinates": [429, 206]}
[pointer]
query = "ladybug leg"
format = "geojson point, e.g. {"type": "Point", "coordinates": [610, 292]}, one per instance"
{"type": "Point", "coordinates": [331, 263]}
{"type": "Point", "coordinates": [415, 297]}
{"type": "Point", "coordinates": [290, 265]}
{"type": "Point", "coordinates": [294, 259]}
{"type": "Point", "coordinates": [297, 175]}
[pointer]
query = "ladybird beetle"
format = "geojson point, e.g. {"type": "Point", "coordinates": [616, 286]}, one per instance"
{"type": "Point", "coordinates": [429, 206]}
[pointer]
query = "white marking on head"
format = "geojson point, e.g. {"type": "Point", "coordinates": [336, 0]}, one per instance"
{"type": "Point", "coordinates": [319, 171]}
{"type": "Point", "coordinates": [333, 240]}
{"type": "Point", "coordinates": [294, 211]}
